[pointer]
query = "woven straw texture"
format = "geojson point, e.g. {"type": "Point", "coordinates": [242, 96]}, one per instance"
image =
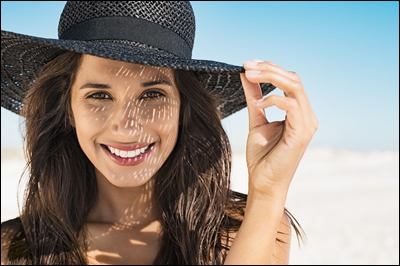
{"type": "Point", "coordinates": [22, 56]}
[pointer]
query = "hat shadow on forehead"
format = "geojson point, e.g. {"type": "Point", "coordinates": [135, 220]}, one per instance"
{"type": "Point", "coordinates": [159, 33]}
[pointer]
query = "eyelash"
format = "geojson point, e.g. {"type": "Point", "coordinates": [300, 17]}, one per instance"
{"type": "Point", "coordinates": [95, 95]}
{"type": "Point", "coordinates": [153, 97]}
{"type": "Point", "coordinates": [145, 95]}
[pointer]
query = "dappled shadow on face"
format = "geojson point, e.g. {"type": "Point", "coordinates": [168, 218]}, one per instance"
{"type": "Point", "coordinates": [141, 106]}
{"type": "Point", "coordinates": [126, 104]}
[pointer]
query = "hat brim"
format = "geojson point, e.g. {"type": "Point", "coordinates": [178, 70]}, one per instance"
{"type": "Point", "coordinates": [22, 56]}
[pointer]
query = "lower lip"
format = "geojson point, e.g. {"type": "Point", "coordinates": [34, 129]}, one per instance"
{"type": "Point", "coordinates": [128, 161]}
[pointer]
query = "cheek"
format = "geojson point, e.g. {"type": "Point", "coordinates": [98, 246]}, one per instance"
{"type": "Point", "coordinates": [158, 111]}
{"type": "Point", "coordinates": [90, 121]}
{"type": "Point", "coordinates": [161, 116]}
{"type": "Point", "coordinates": [92, 117]}
{"type": "Point", "coordinates": [164, 121]}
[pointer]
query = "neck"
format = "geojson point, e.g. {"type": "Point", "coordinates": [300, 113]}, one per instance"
{"type": "Point", "coordinates": [124, 207]}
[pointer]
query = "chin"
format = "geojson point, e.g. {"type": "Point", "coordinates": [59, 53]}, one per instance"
{"type": "Point", "coordinates": [128, 180]}
{"type": "Point", "coordinates": [129, 183]}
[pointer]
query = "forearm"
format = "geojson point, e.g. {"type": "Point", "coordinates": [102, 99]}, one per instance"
{"type": "Point", "coordinates": [255, 239]}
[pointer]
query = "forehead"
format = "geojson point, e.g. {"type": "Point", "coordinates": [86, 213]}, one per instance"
{"type": "Point", "coordinates": [93, 66]}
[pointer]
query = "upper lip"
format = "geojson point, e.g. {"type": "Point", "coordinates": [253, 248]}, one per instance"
{"type": "Point", "coordinates": [128, 147]}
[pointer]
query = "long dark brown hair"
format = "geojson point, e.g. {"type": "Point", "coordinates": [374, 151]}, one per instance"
{"type": "Point", "coordinates": [197, 206]}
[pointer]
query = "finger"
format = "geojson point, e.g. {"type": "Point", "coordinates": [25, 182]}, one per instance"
{"type": "Point", "coordinates": [267, 72]}
{"type": "Point", "coordinates": [252, 91]}
{"type": "Point", "coordinates": [284, 83]}
{"type": "Point", "coordinates": [288, 82]}
{"type": "Point", "coordinates": [283, 103]}
{"type": "Point", "coordinates": [257, 64]}
{"type": "Point", "coordinates": [293, 112]}
{"type": "Point", "coordinates": [291, 89]}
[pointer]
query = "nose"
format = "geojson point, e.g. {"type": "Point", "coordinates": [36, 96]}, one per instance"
{"type": "Point", "coordinates": [126, 122]}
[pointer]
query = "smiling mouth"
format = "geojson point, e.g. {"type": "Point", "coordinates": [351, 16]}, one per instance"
{"type": "Point", "coordinates": [128, 154]}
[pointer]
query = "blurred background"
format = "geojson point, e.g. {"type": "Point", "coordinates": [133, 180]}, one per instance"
{"type": "Point", "coordinates": [345, 193]}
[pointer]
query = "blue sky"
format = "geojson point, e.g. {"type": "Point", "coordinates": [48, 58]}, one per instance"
{"type": "Point", "coordinates": [346, 53]}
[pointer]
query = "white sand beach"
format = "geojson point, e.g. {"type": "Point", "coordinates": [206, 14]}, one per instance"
{"type": "Point", "coordinates": [347, 203]}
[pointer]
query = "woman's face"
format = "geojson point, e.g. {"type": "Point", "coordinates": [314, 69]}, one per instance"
{"type": "Point", "coordinates": [126, 118]}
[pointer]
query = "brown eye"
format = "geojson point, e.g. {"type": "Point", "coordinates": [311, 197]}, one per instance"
{"type": "Point", "coordinates": [152, 95]}
{"type": "Point", "coordinates": [99, 96]}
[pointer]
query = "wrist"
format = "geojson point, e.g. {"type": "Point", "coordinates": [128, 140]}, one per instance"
{"type": "Point", "coordinates": [264, 207]}
{"type": "Point", "coordinates": [272, 196]}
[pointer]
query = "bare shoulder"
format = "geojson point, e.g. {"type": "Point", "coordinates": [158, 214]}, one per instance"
{"type": "Point", "coordinates": [8, 230]}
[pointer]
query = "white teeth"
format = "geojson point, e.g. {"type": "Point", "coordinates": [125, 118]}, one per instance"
{"type": "Point", "coordinates": [123, 154]}
{"type": "Point", "coordinates": [111, 149]}
{"type": "Point", "coordinates": [128, 154]}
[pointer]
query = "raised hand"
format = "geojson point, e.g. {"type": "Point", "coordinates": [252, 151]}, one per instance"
{"type": "Point", "coordinates": [275, 149]}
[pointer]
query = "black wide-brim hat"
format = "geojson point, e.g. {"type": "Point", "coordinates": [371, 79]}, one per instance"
{"type": "Point", "coordinates": [143, 32]}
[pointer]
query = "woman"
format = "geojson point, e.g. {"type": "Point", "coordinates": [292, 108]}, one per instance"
{"type": "Point", "coordinates": [128, 160]}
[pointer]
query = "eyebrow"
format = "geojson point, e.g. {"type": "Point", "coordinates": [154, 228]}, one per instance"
{"type": "Point", "coordinates": [156, 82]}
{"type": "Point", "coordinates": [106, 86]}
{"type": "Point", "coordinates": [95, 86]}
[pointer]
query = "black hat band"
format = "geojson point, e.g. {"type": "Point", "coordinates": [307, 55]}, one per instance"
{"type": "Point", "coordinates": [131, 29]}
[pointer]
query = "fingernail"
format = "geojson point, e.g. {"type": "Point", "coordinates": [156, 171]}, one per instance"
{"type": "Point", "coordinates": [257, 60]}
{"type": "Point", "coordinates": [252, 72]}
{"type": "Point", "coordinates": [250, 63]}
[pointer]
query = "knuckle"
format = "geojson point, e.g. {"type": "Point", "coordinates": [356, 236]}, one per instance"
{"type": "Point", "coordinates": [297, 86]}
{"type": "Point", "coordinates": [270, 76]}
{"type": "Point", "coordinates": [267, 65]}
{"type": "Point", "coordinates": [292, 103]}
{"type": "Point", "coordinates": [296, 77]}
{"type": "Point", "coordinates": [274, 97]}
